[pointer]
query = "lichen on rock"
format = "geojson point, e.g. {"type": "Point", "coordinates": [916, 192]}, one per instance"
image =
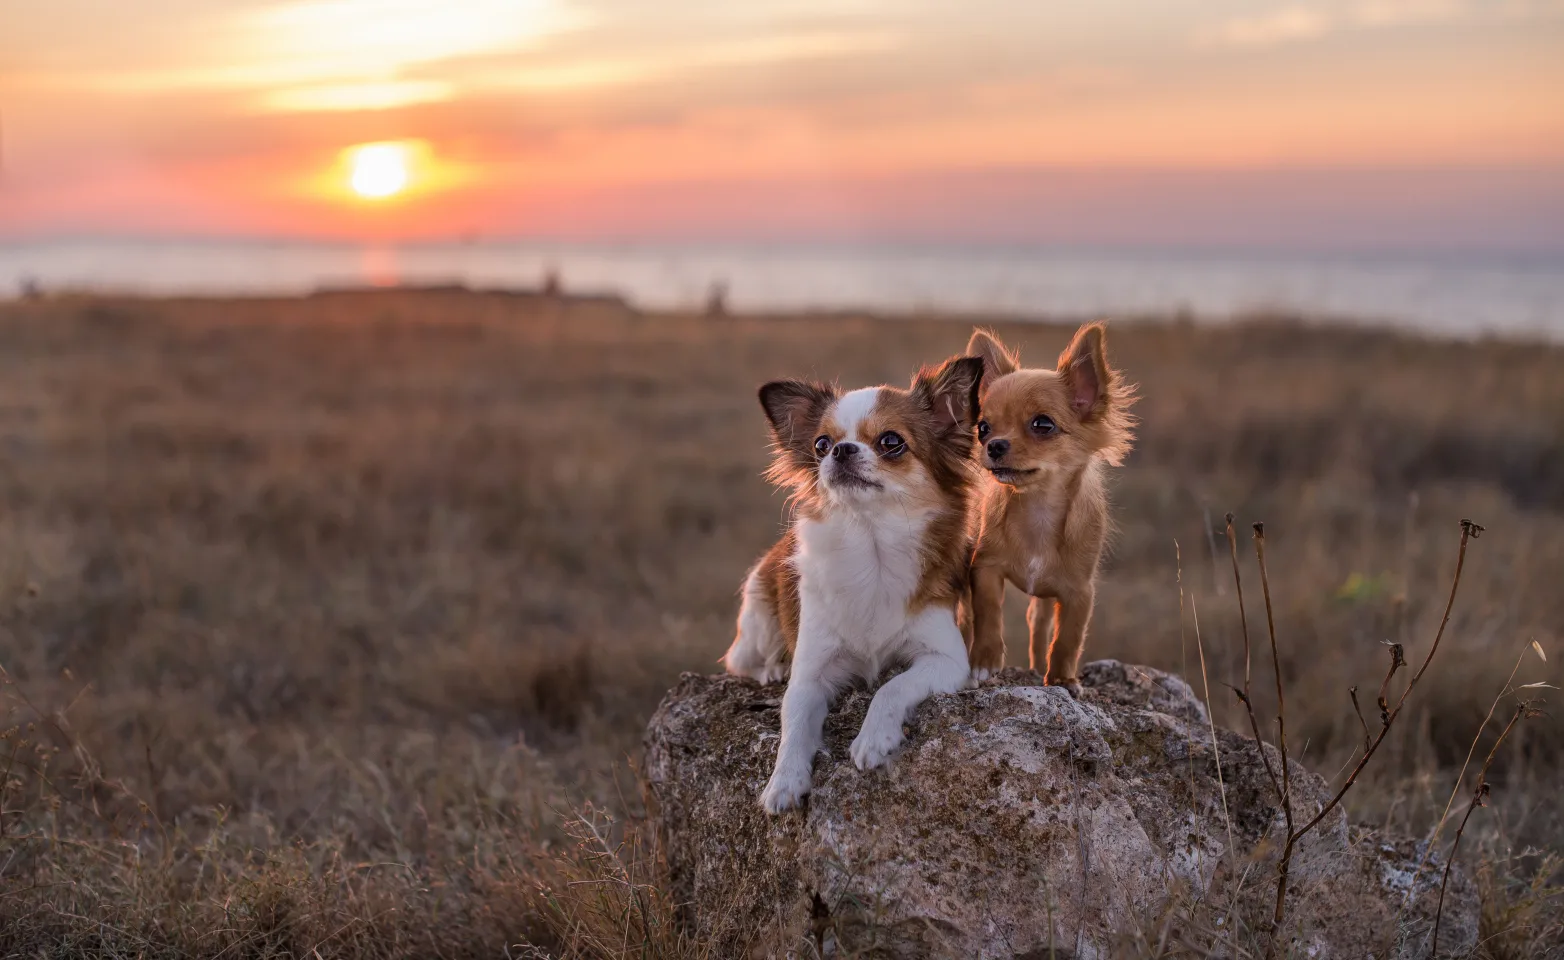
{"type": "Point", "coordinates": [1016, 822]}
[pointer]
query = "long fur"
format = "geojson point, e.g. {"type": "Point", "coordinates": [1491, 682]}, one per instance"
{"type": "Point", "coordinates": [1046, 438]}
{"type": "Point", "coordinates": [873, 569]}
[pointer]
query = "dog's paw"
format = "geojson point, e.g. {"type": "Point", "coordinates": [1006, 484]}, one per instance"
{"type": "Point", "coordinates": [978, 675]}
{"type": "Point", "coordinates": [761, 673]}
{"type": "Point", "coordinates": [985, 665]}
{"type": "Point", "coordinates": [785, 790]}
{"type": "Point", "coordinates": [1072, 684]}
{"type": "Point", "coordinates": [772, 673]}
{"type": "Point", "coordinates": [875, 742]}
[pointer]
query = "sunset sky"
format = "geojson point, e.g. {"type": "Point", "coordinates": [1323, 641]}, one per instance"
{"type": "Point", "coordinates": [1345, 122]}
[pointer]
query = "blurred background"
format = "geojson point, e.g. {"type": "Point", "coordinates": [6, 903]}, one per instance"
{"type": "Point", "coordinates": [378, 438]}
{"type": "Point", "coordinates": [1388, 159]}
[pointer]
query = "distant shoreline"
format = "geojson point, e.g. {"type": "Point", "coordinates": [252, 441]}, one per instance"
{"type": "Point", "coordinates": [595, 302]}
{"type": "Point", "coordinates": [1445, 295]}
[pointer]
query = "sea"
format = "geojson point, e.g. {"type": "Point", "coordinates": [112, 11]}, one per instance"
{"type": "Point", "coordinates": [1443, 294]}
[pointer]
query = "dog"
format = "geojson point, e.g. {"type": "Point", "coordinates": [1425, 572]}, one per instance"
{"type": "Point", "coordinates": [1046, 437]}
{"type": "Point", "coordinates": [874, 566]}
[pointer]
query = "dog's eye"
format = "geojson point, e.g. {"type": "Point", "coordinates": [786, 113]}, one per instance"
{"type": "Point", "coordinates": [891, 444]}
{"type": "Point", "coordinates": [822, 445]}
{"type": "Point", "coordinates": [982, 429]}
{"type": "Point", "coordinates": [1044, 425]}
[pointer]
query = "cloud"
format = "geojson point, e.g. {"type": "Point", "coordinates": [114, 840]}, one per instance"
{"type": "Point", "coordinates": [309, 55]}
{"type": "Point", "coordinates": [1391, 13]}
{"type": "Point", "coordinates": [356, 96]}
{"type": "Point", "coordinates": [1288, 25]}
{"type": "Point", "coordinates": [669, 63]}
{"type": "Point", "coordinates": [1300, 24]}
{"type": "Point", "coordinates": [348, 38]}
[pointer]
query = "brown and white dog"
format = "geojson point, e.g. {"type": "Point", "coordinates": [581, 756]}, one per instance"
{"type": "Point", "coordinates": [1046, 437]}
{"type": "Point", "coordinates": [873, 569]}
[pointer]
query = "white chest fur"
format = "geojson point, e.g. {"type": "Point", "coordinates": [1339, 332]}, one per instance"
{"type": "Point", "coordinates": [857, 572]}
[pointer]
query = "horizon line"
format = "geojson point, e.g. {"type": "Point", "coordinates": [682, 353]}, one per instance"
{"type": "Point", "coordinates": [1266, 249]}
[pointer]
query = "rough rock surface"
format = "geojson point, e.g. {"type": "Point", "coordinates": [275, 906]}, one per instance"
{"type": "Point", "coordinates": [1017, 822]}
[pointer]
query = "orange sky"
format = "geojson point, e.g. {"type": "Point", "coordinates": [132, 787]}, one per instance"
{"type": "Point", "coordinates": [801, 117]}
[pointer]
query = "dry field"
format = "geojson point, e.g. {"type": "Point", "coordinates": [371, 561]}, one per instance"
{"type": "Point", "coordinates": [321, 618]}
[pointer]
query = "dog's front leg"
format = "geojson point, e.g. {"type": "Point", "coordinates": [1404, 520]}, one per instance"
{"type": "Point", "coordinates": [938, 666]}
{"type": "Point", "coordinates": [987, 655]}
{"type": "Point", "coordinates": [804, 705]}
{"type": "Point", "coordinates": [1040, 623]}
{"type": "Point", "coordinates": [1064, 654]}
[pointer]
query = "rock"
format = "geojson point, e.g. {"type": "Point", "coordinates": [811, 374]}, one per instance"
{"type": "Point", "coordinates": [1018, 822]}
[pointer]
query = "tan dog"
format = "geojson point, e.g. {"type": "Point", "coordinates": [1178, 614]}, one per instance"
{"type": "Point", "coordinates": [1045, 436]}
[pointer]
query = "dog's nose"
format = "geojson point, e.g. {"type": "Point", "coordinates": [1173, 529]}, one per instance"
{"type": "Point", "coordinates": [997, 449]}
{"type": "Point", "coordinates": [845, 450]}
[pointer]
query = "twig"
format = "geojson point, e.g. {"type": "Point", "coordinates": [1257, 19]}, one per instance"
{"type": "Point", "coordinates": [1469, 531]}
{"type": "Point", "coordinates": [1178, 568]}
{"type": "Point", "coordinates": [1353, 693]}
{"type": "Point", "coordinates": [1276, 669]}
{"type": "Point", "coordinates": [1455, 789]}
{"type": "Point", "coordinates": [1479, 799]}
{"type": "Point", "coordinates": [1216, 749]}
{"type": "Point", "coordinates": [1244, 694]}
{"type": "Point", "coordinates": [1183, 654]}
{"type": "Point", "coordinates": [1285, 791]}
{"type": "Point", "coordinates": [1238, 584]}
{"type": "Point", "coordinates": [1397, 661]}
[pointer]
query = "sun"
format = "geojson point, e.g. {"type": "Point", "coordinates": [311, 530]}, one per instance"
{"type": "Point", "coordinates": [388, 176]}
{"type": "Point", "coordinates": [379, 170]}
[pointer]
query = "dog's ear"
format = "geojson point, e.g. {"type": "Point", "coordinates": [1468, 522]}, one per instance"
{"type": "Point", "coordinates": [795, 409]}
{"type": "Point", "coordinates": [997, 359]}
{"type": "Point", "coordinates": [950, 393]}
{"type": "Point", "coordinates": [1083, 366]}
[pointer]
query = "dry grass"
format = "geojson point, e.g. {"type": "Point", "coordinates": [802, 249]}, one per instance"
{"type": "Point", "coordinates": [326, 609]}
